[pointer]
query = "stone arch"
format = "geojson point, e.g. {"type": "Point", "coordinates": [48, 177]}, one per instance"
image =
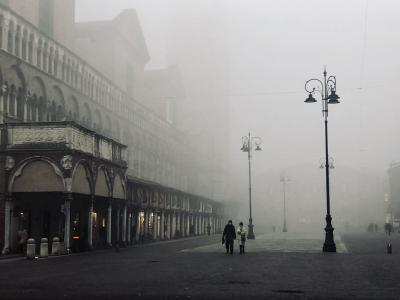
{"type": "Point", "coordinates": [10, 43]}
{"type": "Point", "coordinates": [31, 46]}
{"type": "Point", "coordinates": [37, 174]}
{"type": "Point", "coordinates": [15, 76]}
{"type": "Point", "coordinates": [24, 43]}
{"type": "Point", "coordinates": [57, 105]}
{"type": "Point", "coordinates": [73, 109]}
{"type": "Point", "coordinates": [36, 105]}
{"type": "Point", "coordinates": [102, 185]}
{"type": "Point", "coordinates": [16, 83]}
{"type": "Point", "coordinates": [82, 179]}
{"type": "Point", "coordinates": [39, 53]}
{"type": "Point", "coordinates": [37, 87]}
{"type": "Point", "coordinates": [118, 188]}
{"type": "Point", "coordinates": [17, 40]}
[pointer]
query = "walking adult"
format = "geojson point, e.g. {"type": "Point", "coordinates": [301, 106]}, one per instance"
{"type": "Point", "coordinates": [241, 237]}
{"type": "Point", "coordinates": [228, 237]}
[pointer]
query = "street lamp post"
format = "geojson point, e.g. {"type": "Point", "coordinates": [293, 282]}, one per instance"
{"type": "Point", "coordinates": [327, 90]}
{"type": "Point", "coordinates": [247, 146]}
{"type": "Point", "coordinates": [284, 180]}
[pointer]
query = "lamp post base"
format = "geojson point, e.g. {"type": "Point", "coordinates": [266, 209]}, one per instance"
{"type": "Point", "coordinates": [250, 233]}
{"type": "Point", "coordinates": [329, 245]}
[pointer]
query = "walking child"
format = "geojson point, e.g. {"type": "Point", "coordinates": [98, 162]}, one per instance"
{"type": "Point", "coordinates": [241, 233]}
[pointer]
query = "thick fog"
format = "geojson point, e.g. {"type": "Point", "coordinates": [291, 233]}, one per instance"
{"type": "Point", "coordinates": [251, 59]}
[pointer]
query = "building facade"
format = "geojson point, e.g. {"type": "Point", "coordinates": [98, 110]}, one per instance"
{"type": "Point", "coordinates": [393, 201]}
{"type": "Point", "coordinates": [80, 158]}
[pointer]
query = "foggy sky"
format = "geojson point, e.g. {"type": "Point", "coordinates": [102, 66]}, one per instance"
{"type": "Point", "coordinates": [273, 48]}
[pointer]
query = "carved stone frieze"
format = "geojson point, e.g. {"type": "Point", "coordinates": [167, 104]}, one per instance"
{"type": "Point", "coordinates": [66, 162]}
{"type": "Point", "coordinates": [82, 141]}
{"type": "Point", "coordinates": [26, 135]}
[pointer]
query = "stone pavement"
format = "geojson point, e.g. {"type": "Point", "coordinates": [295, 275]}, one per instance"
{"type": "Point", "coordinates": [277, 266]}
{"type": "Point", "coordinates": [307, 242]}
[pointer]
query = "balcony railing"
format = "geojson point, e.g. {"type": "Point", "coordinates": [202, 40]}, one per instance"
{"type": "Point", "coordinates": [61, 135]}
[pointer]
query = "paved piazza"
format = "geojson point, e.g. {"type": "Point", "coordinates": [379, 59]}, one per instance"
{"type": "Point", "coordinates": [308, 242]}
{"type": "Point", "coordinates": [277, 266]}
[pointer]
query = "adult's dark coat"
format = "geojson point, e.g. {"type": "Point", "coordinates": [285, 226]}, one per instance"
{"type": "Point", "coordinates": [229, 232]}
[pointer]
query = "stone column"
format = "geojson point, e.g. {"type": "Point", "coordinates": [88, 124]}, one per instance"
{"type": "Point", "coordinates": [90, 224]}
{"type": "Point", "coordinates": [138, 225]}
{"type": "Point", "coordinates": [67, 222]}
{"type": "Point", "coordinates": [183, 232]}
{"type": "Point", "coordinates": [187, 225]}
{"type": "Point", "coordinates": [168, 226]}
{"type": "Point", "coordinates": [109, 224]}
{"type": "Point", "coordinates": [124, 216]}
{"type": "Point", "coordinates": [11, 46]}
{"type": "Point", "coordinates": [201, 224]}
{"type": "Point", "coordinates": [7, 226]}
{"type": "Point", "coordinates": [196, 224]}
{"type": "Point", "coordinates": [162, 226]}
{"type": "Point", "coordinates": [118, 225]}
{"type": "Point", "coordinates": [178, 223]}
{"type": "Point", "coordinates": [201, 220]}
{"type": "Point", "coordinates": [129, 230]}
{"type": "Point", "coordinates": [4, 36]}
{"type": "Point", "coordinates": [146, 224]}
{"type": "Point", "coordinates": [1, 107]}
{"type": "Point", "coordinates": [155, 235]}
{"type": "Point", "coordinates": [25, 109]}
{"type": "Point", "coordinates": [173, 225]}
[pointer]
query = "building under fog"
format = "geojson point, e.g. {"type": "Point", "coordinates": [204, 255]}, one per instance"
{"type": "Point", "coordinates": [90, 147]}
{"type": "Point", "coordinates": [393, 201]}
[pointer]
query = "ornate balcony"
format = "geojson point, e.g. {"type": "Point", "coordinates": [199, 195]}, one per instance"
{"type": "Point", "coordinates": [61, 135]}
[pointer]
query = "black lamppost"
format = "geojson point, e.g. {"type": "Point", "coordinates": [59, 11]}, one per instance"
{"type": "Point", "coordinates": [327, 90]}
{"type": "Point", "coordinates": [247, 146]}
{"type": "Point", "coordinates": [284, 179]}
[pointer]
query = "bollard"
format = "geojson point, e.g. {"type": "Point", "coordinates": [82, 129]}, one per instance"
{"type": "Point", "coordinates": [44, 247]}
{"type": "Point", "coordinates": [30, 249]}
{"type": "Point", "coordinates": [55, 247]}
{"type": "Point", "coordinates": [389, 248]}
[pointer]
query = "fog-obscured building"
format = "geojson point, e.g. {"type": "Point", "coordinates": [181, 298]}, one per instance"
{"type": "Point", "coordinates": [394, 194]}
{"type": "Point", "coordinates": [198, 45]}
{"type": "Point", "coordinates": [89, 153]}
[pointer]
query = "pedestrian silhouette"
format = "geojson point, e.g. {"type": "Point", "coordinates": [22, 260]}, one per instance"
{"type": "Point", "coordinates": [228, 237]}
